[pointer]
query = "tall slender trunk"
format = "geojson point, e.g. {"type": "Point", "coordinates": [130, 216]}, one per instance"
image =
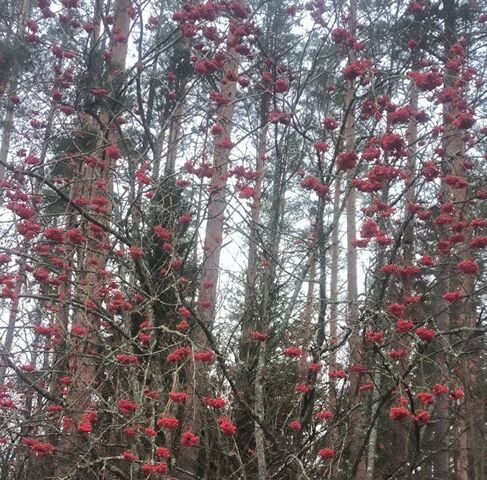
{"type": "Point", "coordinates": [401, 434]}
{"type": "Point", "coordinates": [8, 121]}
{"type": "Point", "coordinates": [158, 148]}
{"type": "Point", "coordinates": [252, 355]}
{"type": "Point", "coordinates": [352, 285]}
{"type": "Point", "coordinates": [374, 434]}
{"type": "Point", "coordinates": [188, 456]}
{"type": "Point", "coordinates": [173, 140]}
{"type": "Point", "coordinates": [84, 362]}
{"type": "Point", "coordinates": [265, 313]}
{"type": "Point", "coordinates": [334, 268]}
{"type": "Point", "coordinates": [259, 409]}
{"type": "Point", "coordinates": [307, 315]}
{"type": "Point", "coordinates": [248, 353]}
{"type": "Point", "coordinates": [7, 130]}
{"type": "Point", "coordinates": [254, 240]}
{"type": "Point", "coordinates": [12, 320]}
{"type": "Point", "coordinates": [217, 200]}
{"type": "Point", "coordinates": [333, 320]}
{"type": "Point", "coordinates": [463, 313]}
{"type": "Point", "coordinates": [11, 75]}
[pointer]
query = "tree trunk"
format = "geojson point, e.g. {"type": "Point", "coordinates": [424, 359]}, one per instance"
{"type": "Point", "coordinates": [12, 320]}
{"type": "Point", "coordinates": [334, 268]}
{"type": "Point", "coordinates": [11, 75]}
{"type": "Point", "coordinates": [84, 359]}
{"type": "Point", "coordinates": [173, 140]}
{"type": "Point", "coordinates": [352, 285]}
{"type": "Point", "coordinates": [7, 129]}
{"type": "Point", "coordinates": [8, 121]}
{"type": "Point", "coordinates": [307, 316]}
{"type": "Point", "coordinates": [249, 354]}
{"type": "Point", "coordinates": [188, 456]}
{"type": "Point", "coordinates": [463, 313]}
{"type": "Point", "coordinates": [401, 434]}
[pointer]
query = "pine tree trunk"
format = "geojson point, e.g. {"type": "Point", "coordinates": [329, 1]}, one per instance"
{"type": "Point", "coordinates": [12, 320]}
{"type": "Point", "coordinates": [188, 456]}
{"type": "Point", "coordinates": [217, 201]}
{"type": "Point", "coordinates": [259, 408]}
{"type": "Point", "coordinates": [173, 140]}
{"type": "Point", "coordinates": [352, 285]}
{"type": "Point", "coordinates": [250, 354]}
{"type": "Point", "coordinates": [401, 434]}
{"type": "Point", "coordinates": [84, 358]}
{"type": "Point", "coordinates": [7, 129]}
{"type": "Point", "coordinates": [334, 267]}
{"type": "Point", "coordinates": [8, 121]}
{"type": "Point", "coordinates": [462, 314]}
{"type": "Point", "coordinates": [10, 76]}
{"type": "Point", "coordinates": [307, 316]}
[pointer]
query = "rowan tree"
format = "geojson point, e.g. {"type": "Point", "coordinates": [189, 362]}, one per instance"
{"type": "Point", "coordinates": [243, 240]}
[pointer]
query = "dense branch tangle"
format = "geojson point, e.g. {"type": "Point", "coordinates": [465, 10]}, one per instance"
{"type": "Point", "coordinates": [243, 240]}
